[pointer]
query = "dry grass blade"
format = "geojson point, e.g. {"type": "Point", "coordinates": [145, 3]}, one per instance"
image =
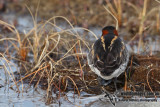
{"type": "Point", "coordinates": [10, 70]}
{"type": "Point", "coordinates": [35, 74]}
{"type": "Point", "coordinates": [64, 56]}
{"type": "Point", "coordinates": [81, 72]}
{"type": "Point", "coordinates": [157, 1]}
{"type": "Point", "coordinates": [42, 55]}
{"type": "Point", "coordinates": [137, 10]}
{"type": "Point", "coordinates": [3, 39]}
{"type": "Point", "coordinates": [157, 17]}
{"type": "Point", "coordinates": [148, 81]}
{"type": "Point", "coordinates": [156, 80]}
{"type": "Point", "coordinates": [77, 35]}
{"type": "Point", "coordinates": [36, 38]}
{"type": "Point", "coordinates": [11, 27]}
{"type": "Point", "coordinates": [50, 84]}
{"type": "Point", "coordinates": [142, 19]}
{"type": "Point", "coordinates": [31, 74]}
{"type": "Point", "coordinates": [112, 16]}
{"type": "Point", "coordinates": [73, 83]}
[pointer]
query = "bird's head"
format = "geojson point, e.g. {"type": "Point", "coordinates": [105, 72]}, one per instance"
{"type": "Point", "coordinates": [109, 29]}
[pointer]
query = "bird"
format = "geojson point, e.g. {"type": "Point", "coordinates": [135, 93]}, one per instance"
{"type": "Point", "coordinates": [108, 56]}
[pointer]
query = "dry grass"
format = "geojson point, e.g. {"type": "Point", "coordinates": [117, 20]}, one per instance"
{"type": "Point", "coordinates": [59, 57]}
{"type": "Point", "coordinates": [56, 58]}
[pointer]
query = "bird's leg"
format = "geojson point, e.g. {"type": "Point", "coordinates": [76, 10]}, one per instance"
{"type": "Point", "coordinates": [107, 94]}
{"type": "Point", "coordinates": [105, 91]}
{"type": "Point", "coordinates": [103, 82]}
{"type": "Point", "coordinates": [110, 96]}
{"type": "Point", "coordinates": [115, 83]}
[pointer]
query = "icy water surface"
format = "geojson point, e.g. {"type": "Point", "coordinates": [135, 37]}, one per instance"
{"type": "Point", "coordinates": [37, 98]}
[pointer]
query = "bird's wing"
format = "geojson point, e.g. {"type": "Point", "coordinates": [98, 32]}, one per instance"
{"type": "Point", "coordinates": [110, 60]}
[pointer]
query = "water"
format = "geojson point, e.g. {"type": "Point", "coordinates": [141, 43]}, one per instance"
{"type": "Point", "coordinates": [37, 98]}
{"type": "Point", "coordinates": [10, 97]}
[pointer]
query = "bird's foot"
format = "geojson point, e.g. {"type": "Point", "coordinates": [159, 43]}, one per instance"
{"type": "Point", "coordinates": [111, 97]}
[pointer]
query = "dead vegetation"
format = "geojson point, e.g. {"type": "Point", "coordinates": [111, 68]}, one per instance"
{"type": "Point", "coordinates": [55, 58]}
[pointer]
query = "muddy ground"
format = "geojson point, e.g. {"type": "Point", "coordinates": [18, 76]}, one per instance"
{"type": "Point", "coordinates": [73, 73]}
